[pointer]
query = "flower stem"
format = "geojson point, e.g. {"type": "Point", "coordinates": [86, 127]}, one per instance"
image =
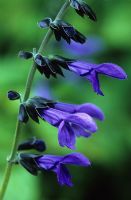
{"type": "Point", "coordinates": [26, 96]}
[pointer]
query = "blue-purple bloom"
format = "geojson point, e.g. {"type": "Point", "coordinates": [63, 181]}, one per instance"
{"type": "Point", "coordinates": [34, 163]}
{"type": "Point", "coordinates": [91, 71]}
{"type": "Point", "coordinates": [52, 66]}
{"type": "Point", "coordinates": [72, 121]}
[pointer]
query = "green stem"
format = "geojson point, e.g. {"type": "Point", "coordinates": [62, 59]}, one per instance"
{"type": "Point", "coordinates": [26, 96]}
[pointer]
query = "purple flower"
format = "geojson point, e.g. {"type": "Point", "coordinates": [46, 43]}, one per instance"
{"type": "Point", "coordinates": [34, 163]}
{"type": "Point", "coordinates": [88, 70]}
{"type": "Point", "coordinates": [91, 71]}
{"type": "Point", "coordinates": [72, 121]}
{"type": "Point", "coordinates": [57, 165]}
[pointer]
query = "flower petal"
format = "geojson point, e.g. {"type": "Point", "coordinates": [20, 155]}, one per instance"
{"type": "Point", "coordinates": [93, 78]}
{"type": "Point", "coordinates": [83, 120]}
{"type": "Point", "coordinates": [80, 67]}
{"type": "Point", "coordinates": [48, 162]}
{"type": "Point", "coordinates": [51, 115]}
{"type": "Point", "coordinates": [76, 159]}
{"type": "Point", "coordinates": [66, 136]}
{"type": "Point", "coordinates": [112, 70]}
{"type": "Point", "coordinates": [91, 110]}
{"type": "Point", "coordinates": [79, 131]}
{"type": "Point", "coordinates": [69, 108]}
{"type": "Point", "coordinates": [63, 175]}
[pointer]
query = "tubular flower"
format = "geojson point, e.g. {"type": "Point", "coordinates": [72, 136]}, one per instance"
{"type": "Point", "coordinates": [63, 30]}
{"type": "Point", "coordinates": [57, 164]}
{"type": "Point", "coordinates": [91, 71]}
{"type": "Point", "coordinates": [72, 121]}
{"type": "Point", "coordinates": [88, 70]}
{"type": "Point", "coordinates": [82, 9]}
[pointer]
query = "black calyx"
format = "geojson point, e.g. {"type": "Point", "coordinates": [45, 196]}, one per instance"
{"type": "Point", "coordinates": [28, 162]}
{"type": "Point", "coordinates": [23, 115]}
{"type": "Point", "coordinates": [82, 8]}
{"type": "Point", "coordinates": [64, 30]}
{"type": "Point", "coordinates": [29, 108]}
{"type": "Point", "coordinates": [40, 102]}
{"type": "Point", "coordinates": [51, 66]}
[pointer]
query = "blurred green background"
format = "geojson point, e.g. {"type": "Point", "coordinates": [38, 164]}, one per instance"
{"type": "Point", "coordinates": [109, 149]}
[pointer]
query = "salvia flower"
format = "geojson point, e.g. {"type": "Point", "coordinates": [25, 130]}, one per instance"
{"type": "Point", "coordinates": [57, 164]}
{"type": "Point", "coordinates": [91, 71]}
{"type": "Point", "coordinates": [13, 95]}
{"type": "Point", "coordinates": [32, 143]}
{"type": "Point", "coordinates": [63, 30]}
{"type": "Point", "coordinates": [72, 121]}
{"type": "Point", "coordinates": [82, 9]}
{"type": "Point", "coordinates": [85, 69]}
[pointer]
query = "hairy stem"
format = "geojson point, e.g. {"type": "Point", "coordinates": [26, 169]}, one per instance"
{"type": "Point", "coordinates": [26, 96]}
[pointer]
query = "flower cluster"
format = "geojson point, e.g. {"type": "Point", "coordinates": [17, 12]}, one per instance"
{"type": "Point", "coordinates": [34, 163]}
{"type": "Point", "coordinates": [52, 65]}
{"type": "Point", "coordinates": [71, 120]}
